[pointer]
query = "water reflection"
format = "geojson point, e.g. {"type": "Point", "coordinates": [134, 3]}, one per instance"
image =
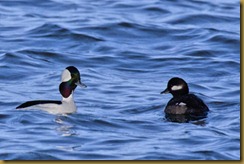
{"type": "Point", "coordinates": [184, 118]}
{"type": "Point", "coordinates": [63, 128]}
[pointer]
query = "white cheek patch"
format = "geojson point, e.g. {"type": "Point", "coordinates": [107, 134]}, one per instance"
{"type": "Point", "coordinates": [176, 87]}
{"type": "Point", "coordinates": [66, 76]}
{"type": "Point", "coordinates": [181, 104]}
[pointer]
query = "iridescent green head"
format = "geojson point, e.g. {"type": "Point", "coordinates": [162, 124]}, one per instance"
{"type": "Point", "coordinates": [69, 81]}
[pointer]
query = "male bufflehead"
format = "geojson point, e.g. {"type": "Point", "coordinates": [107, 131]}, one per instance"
{"type": "Point", "coordinates": [70, 79]}
{"type": "Point", "coordinates": [182, 102]}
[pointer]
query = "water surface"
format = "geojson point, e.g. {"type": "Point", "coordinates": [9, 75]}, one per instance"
{"type": "Point", "coordinates": [126, 52]}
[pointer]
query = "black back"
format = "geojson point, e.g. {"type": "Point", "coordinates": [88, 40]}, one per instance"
{"type": "Point", "coordinates": [36, 102]}
{"type": "Point", "coordinates": [194, 104]}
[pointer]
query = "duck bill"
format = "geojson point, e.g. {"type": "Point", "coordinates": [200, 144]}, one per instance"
{"type": "Point", "coordinates": [165, 91]}
{"type": "Point", "coordinates": [80, 84]}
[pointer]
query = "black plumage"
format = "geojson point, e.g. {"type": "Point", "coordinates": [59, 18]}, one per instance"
{"type": "Point", "coordinates": [36, 102]}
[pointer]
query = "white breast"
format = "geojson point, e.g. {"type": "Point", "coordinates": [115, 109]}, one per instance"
{"type": "Point", "coordinates": [67, 106]}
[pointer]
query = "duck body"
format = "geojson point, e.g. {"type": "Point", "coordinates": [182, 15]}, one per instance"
{"type": "Point", "coordinates": [186, 104]}
{"type": "Point", "coordinates": [183, 103]}
{"type": "Point", "coordinates": [66, 106]}
{"type": "Point", "coordinates": [69, 81]}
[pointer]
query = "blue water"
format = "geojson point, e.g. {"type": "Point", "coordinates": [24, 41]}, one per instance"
{"type": "Point", "coordinates": [126, 52]}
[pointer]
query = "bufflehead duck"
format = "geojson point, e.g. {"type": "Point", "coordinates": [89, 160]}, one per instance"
{"type": "Point", "coordinates": [183, 103]}
{"type": "Point", "coordinates": [70, 79]}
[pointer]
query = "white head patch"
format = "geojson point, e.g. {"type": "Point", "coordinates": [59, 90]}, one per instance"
{"type": "Point", "coordinates": [66, 76]}
{"type": "Point", "coordinates": [181, 104]}
{"type": "Point", "coordinates": [176, 87]}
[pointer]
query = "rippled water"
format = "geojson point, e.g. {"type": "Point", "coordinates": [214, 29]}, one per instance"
{"type": "Point", "coordinates": [126, 52]}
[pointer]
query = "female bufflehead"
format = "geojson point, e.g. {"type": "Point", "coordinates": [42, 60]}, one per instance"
{"type": "Point", "coordinates": [70, 79]}
{"type": "Point", "coordinates": [182, 102]}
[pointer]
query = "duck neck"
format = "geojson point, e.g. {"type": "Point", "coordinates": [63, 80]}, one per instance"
{"type": "Point", "coordinates": [68, 99]}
